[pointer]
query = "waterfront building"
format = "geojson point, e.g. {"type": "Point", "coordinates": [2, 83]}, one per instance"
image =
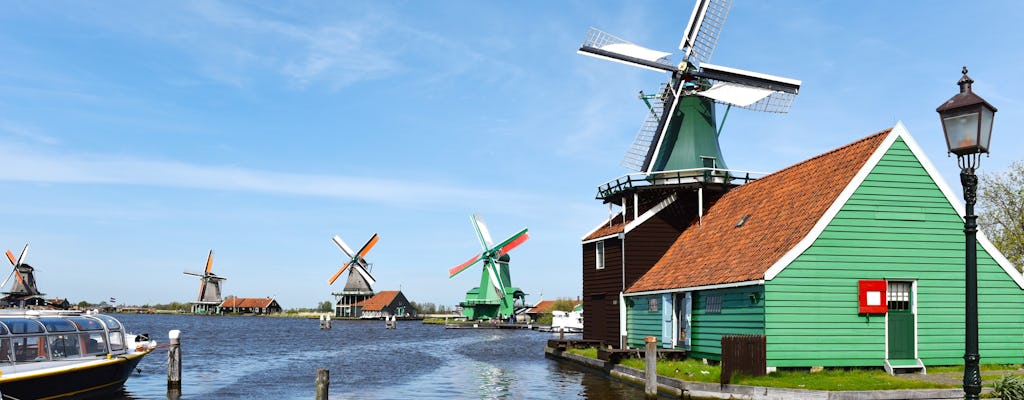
{"type": "Point", "coordinates": [243, 305]}
{"type": "Point", "coordinates": [850, 258]}
{"type": "Point", "coordinates": [385, 304]}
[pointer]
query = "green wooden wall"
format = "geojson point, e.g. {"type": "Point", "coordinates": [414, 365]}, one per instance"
{"type": "Point", "coordinates": [640, 322]}
{"type": "Point", "coordinates": [739, 316]}
{"type": "Point", "coordinates": [896, 226]}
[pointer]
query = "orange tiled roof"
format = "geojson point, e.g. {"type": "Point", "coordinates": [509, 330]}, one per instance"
{"type": "Point", "coordinates": [617, 226]}
{"type": "Point", "coordinates": [545, 306]}
{"type": "Point", "coordinates": [378, 301]}
{"type": "Point", "coordinates": [244, 302]}
{"type": "Point", "coordinates": [780, 210]}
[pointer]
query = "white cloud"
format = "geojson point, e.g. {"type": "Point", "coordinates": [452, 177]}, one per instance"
{"type": "Point", "coordinates": [42, 167]}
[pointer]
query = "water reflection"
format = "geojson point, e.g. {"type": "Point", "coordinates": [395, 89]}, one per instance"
{"type": "Point", "coordinates": [251, 357]}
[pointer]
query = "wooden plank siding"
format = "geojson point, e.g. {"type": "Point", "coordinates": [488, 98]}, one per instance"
{"type": "Point", "coordinates": [897, 225]}
{"type": "Point", "coordinates": [738, 316]}
{"type": "Point", "coordinates": [644, 245]}
{"type": "Point", "coordinates": [641, 321]}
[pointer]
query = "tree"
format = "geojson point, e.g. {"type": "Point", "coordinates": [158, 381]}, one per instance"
{"type": "Point", "coordinates": [1001, 211]}
{"type": "Point", "coordinates": [325, 306]}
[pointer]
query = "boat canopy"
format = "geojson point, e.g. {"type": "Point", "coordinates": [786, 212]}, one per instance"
{"type": "Point", "coordinates": [32, 337]}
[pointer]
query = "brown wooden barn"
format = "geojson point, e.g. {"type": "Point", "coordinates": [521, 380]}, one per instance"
{"type": "Point", "coordinates": [385, 304]}
{"type": "Point", "coordinates": [620, 250]}
{"type": "Point", "coordinates": [243, 305]}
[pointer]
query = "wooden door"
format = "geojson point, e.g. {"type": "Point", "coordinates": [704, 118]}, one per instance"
{"type": "Point", "coordinates": [901, 320]}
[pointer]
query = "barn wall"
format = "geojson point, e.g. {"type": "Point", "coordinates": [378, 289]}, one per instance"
{"type": "Point", "coordinates": [601, 289]}
{"type": "Point", "coordinates": [642, 320]}
{"type": "Point", "coordinates": [896, 226]}
{"type": "Point", "coordinates": [739, 315]}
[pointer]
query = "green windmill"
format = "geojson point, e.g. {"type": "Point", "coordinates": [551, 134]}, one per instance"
{"type": "Point", "coordinates": [495, 297]}
{"type": "Point", "coordinates": [684, 140]}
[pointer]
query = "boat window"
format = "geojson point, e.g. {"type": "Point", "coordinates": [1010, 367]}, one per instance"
{"type": "Point", "coordinates": [64, 346]}
{"type": "Point", "coordinates": [18, 325]}
{"type": "Point", "coordinates": [3, 329]}
{"type": "Point", "coordinates": [116, 342]}
{"type": "Point", "coordinates": [6, 357]}
{"type": "Point", "coordinates": [30, 348]}
{"type": "Point", "coordinates": [95, 344]}
{"type": "Point", "coordinates": [86, 324]}
{"type": "Point", "coordinates": [57, 325]}
{"type": "Point", "coordinates": [110, 322]}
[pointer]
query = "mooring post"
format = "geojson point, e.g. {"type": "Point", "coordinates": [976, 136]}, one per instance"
{"type": "Point", "coordinates": [323, 383]}
{"type": "Point", "coordinates": [651, 364]}
{"type": "Point", "coordinates": [174, 361]}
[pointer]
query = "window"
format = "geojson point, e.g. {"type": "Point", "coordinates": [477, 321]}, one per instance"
{"type": "Point", "coordinates": [898, 296]}
{"type": "Point", "coordinates": [713, 305]}
{"type": "Point", "coordinates": [600, 255]}
{"type": "Point", "coordinates": [652, 304]}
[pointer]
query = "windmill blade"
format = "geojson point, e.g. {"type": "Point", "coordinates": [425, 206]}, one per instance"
{"type": "Point", "coordinates": [10, 256]}
{"type": "Point", "coordinates": [702, 31]}
{"type": "Point", "coordinates": [330, 281]}
{"type": "Point", "coordinates": [600, 44]}
{"type": "Point", "coordinates": [16, 263]}
{"type": "Point", "coordinates": [369, 245]}
{"type": "Point", "coordinates": [481, 231]}
{"type": "Point", "coordinates": [365, 274]}
{"type": "Point", "coordinates": [192, 273]}
{"type": "Point", "coordinates": [13, 270]}
{"type": "Point", "coordinates": [209, 262]}
{"type": "Point", "coordinates": [519, 238]}
{"type": "Point", "coordinates": [24, 252]}
{"type": "Point", "coordinates": [735, 94]}
{"type": "Point", "coordinates": [780, 100]}
{"type": "Point", "coordinates": [749, 78]}
{"type": "Point", "coordinates": [462, 267]}
{"type": "Point", "coordinates": [343, 246]}
{"type": "Point", "coordinates": [495, 279]}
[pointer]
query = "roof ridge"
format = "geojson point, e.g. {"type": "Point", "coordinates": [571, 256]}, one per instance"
{"type": "Point", "coordinates": [837, 149]}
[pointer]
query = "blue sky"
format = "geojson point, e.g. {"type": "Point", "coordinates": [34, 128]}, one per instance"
{"type": "Point", "coordinates": [135, 136]}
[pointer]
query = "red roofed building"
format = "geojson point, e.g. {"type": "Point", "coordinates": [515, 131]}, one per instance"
{"type": "Point", "coordinates": [244, 305]}
{"type": "Point", "coordinates": [787, 257]}
{"type": "Point", "coordinates": [385, 304]}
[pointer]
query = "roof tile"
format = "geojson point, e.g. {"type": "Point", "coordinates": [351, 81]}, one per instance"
{"type": "Point", "coordinates": [776, 211]}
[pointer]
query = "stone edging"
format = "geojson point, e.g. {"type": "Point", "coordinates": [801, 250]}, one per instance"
{"type": "Point", "coordinates": [678, 388]}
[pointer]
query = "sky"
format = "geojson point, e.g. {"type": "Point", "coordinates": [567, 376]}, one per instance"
{"type": "Point", "coordinates": [137, 136]}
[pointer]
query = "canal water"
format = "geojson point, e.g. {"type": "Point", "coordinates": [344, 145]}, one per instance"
{"type": "Point", "coordinates": [277, 358]}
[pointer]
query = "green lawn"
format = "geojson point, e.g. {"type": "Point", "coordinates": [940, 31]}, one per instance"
{"type": "Point", "coordinates": [854, 379]}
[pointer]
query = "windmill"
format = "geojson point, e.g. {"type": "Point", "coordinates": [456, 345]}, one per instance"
{"type": "Point", "coordinates": [685, 138]}
{"type": "Point", "coordinates": [359, 286]}
{"type": "Point", "coordinates": [23, 291]}
{"type": "Point", "coordinates": [209, 299]}
{"type": "Point", "coordinates": [495, 297]}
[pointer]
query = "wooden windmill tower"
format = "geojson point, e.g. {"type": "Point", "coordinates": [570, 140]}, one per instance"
{"type": "Point", "coordinates": [359, 286]}
{"type": "Point", "coordinates": [495, 298]}
{"type": "Point", "coordinates": [209, 299]}
{"type": "Point", "coordinates": [23, 290]}
{"type": "Point", "coordinates": [676, 159]}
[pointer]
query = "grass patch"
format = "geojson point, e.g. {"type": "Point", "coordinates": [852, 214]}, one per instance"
{"type": "Point", "coordinates": [687, 370]}
{"type": "Point", "coordinates": [590, 352]}
{"type": "Point", "coordinates": [854, 379]}
{"type": "Point", "coordinates": [983, 367]}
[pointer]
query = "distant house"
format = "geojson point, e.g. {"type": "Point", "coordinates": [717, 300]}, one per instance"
{"type": "Point", "coordinates": [546, 306]}
{"type": "Point", "coordinates": [243, 305]}
{"type": "Point", "coordinates": [59, 304]}
{"type": "Point", "coordinates": [385, 304]}
{"type": "Point", "coordinates": [793, 257]}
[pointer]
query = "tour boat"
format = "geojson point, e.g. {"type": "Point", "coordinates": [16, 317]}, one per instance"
{"type": "Point", "coordinates": [65, 354]}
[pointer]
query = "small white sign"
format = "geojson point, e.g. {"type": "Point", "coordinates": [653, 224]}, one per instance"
{"type": "Point", "coordinates": [874, 298]}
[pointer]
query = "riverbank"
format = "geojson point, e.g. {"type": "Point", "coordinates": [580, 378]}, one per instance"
{"type": "Point", "coordinates": [680, 388]}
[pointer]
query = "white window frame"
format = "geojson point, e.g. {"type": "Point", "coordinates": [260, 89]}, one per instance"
{"type": "Point", "coordinates": [599, 254]}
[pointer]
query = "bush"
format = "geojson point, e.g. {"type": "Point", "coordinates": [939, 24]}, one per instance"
{"type": "Point", "coordinates": [1009, 387]}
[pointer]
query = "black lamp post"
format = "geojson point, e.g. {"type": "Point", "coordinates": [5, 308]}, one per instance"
{"type": "Point", "coordinates": [967, 122]}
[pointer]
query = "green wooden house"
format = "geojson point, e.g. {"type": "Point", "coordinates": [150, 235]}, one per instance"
{"type": "Point", "coordinates": [784, 257]}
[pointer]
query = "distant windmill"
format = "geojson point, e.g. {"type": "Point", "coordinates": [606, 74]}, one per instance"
{"type": "Point", "coordinates": [495, 297]}
{"type": "Point", "coordinates": [684, 135]}
{"type": "Point", "coordinates": [25, 284]}
{"type": "Point", "coordinates": [209, 298]}
{"type": "Point", "coordinates": [360, 283]}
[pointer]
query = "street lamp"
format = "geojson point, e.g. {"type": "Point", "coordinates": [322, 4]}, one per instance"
{"type": "Point", "coordinates": [967, 123]}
